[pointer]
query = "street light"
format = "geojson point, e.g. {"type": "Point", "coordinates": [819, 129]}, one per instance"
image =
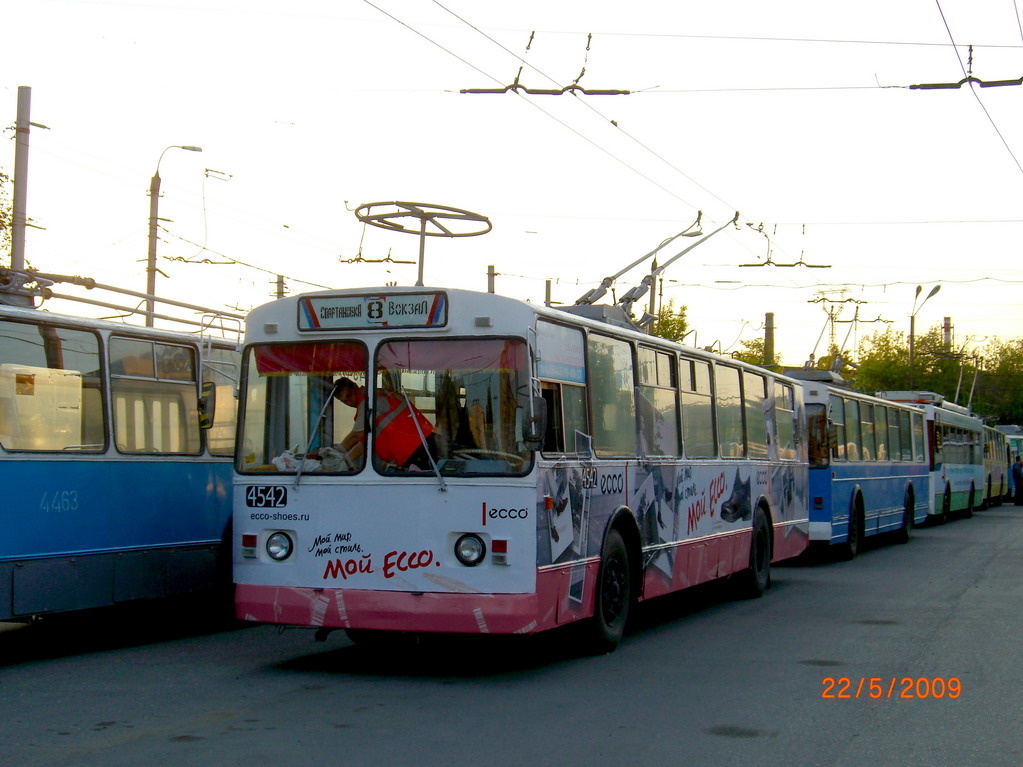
{"type": "Point", "coordinates": [912, 325]}
{"type": "Point", "coordinates": [154, 216]}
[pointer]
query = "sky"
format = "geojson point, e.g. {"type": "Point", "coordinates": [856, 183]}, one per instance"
{"type": "Point", "coordinates": [795, 115]}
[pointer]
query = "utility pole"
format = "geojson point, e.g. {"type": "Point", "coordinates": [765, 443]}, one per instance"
{"type": "Point", "coordinates": [22, 129]}
{"type": "Point", "coordinates": [768, 339]}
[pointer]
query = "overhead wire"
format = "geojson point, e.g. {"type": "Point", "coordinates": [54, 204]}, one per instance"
{"type": "Point", "coordinates": [967, 75]}
{"type": "Point", "coordinates": [593, 109]}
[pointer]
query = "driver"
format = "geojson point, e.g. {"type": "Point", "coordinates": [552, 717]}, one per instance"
{"type": "Point", "coordinates": [396, 439]}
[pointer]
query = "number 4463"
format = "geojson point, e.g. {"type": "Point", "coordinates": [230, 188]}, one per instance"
{"type": "Point", "coordinates": [59, 500]}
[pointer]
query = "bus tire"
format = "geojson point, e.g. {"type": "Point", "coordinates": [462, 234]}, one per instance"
{"type": "Point", "coordinates": [756, 579]}
{"type": "Point", "coordinates": [613, 598]}
{"type": "Point", "coordinates": [903, 533]}
{"type": "Point", "coordinates": [854, 538]}
{"type": "Point", "coordinates": [946, 507]}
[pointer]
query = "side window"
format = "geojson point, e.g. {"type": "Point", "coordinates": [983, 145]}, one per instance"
{"type": "Point", "coordinates": [754, 400]}
{"type": "Point", "coordinates": [221, 368]}
{"type": "Point", "coordinates": [867, 445]}
{"type": "Point", "coordinates": [729, 412]}
{"type": "Point", "coordinates": [697, 409]}
{"type": "Point", "coordinates": [658, 403]}
{"type": "Point", "coordinates": [154, 395]}
{"type": "Point", "coordinates": [895, 443]}
{"type": "Point", "coordinates": [919, 451]}
{"type": "Point", "coordinates": [881, 432]}
{"type": "Point", "coordinates": [51, 389]}
{"type": "Point", "coordinates": [612, 397]}
{"type": "Point", "coordinates": [852, 430]}
{"type": "Point", "coordinates": [785, 417]}
{"type": "Point", "coordinates": [837, 405]}
{"type": "Point", "coordinates": [566, 416]}
{"type": "Point", "coordinates": [562, 367]}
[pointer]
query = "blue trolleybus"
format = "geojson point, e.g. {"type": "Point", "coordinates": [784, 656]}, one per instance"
{"type": "Point", "coordinates": [112, 491]}
{"type": "Point", "coordinates": [868, 464]}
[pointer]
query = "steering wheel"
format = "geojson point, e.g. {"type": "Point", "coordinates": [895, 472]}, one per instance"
{"type": "Point", "coordinates": [467, 454]}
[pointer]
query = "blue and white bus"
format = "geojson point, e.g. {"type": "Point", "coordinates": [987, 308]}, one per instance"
{"type": "Point", "coordinates": [868, 464]}
{"type": "Point", "coordinates": [576, 466]}
{"type": "Point", "coordinates": [1014, 441]}
{"type": "Point", "coordinates": [112, 491]}
{"type": "Point", "coordinates": [997, 466]}
{"type": "Point", "coordinates": [955, 453]}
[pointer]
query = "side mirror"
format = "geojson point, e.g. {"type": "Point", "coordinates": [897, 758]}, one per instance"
{"type": "Point", "coordinates": [534, 424]}
{"type": "Point", "coordinates": [207, 405]}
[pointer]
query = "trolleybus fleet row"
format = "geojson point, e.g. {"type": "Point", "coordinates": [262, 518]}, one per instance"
{"type": "Point", "coordinates": [426, 460]}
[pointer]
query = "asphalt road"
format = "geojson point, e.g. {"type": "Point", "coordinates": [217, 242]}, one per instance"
{"type": "Point", "coordinates": [701, 679]}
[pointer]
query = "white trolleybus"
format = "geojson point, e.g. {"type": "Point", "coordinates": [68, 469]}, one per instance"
{"type": "Point", "coordinates": [955, 447]}
{"type": "Point", "coordinates": [868, 464]}
{"type": "Point", "coordinates": [424, 460]}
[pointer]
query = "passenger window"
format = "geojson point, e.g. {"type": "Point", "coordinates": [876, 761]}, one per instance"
{"type": "Point", "coordinates": [729, 412]}
{"type": "Point", "coordinates": [51, 389]}
{"type": "Point", "coordinates": [697, 409]}
{"type": "Point", "coordinates": [754, 400]}
{"type": "Point", "coordinates": [785, 417]}
{"type": "Point", "coordinates": [612, 395]}
{"type": "Point", "coordinates": [658, 403]}
{"type": "Point", "coordinates": [155, 399]}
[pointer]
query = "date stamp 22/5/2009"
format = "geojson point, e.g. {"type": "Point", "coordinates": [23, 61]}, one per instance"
{"type": "Point", "coordinates": [901, 688]}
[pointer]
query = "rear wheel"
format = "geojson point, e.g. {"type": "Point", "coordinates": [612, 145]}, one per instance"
{"type": "Point", "coordinates": [854, 538]}
{"type": "Point", "coordinates": [903, 533]}
{"type": "Point", "coordinates": [969, 505]}
{"type": "Point", "coordinates": [756, 579]}
{"type": "Point", "coordinates": [946, 507]}
{"type": "Point", "coordinates": [613, 598]}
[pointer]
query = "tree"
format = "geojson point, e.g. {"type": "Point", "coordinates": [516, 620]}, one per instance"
{"type": "Point", "coordinates": [670, 324]}
{"type": "Point", "coordinates": [6, 215]}
{"type": "Point", "coordinates": [752, 351]}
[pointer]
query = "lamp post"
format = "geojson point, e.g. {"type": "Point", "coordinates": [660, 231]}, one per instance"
{"type": "Point", "coordinates": [154, 216]}
{"type": "Point", "coordinates": [912, 325]}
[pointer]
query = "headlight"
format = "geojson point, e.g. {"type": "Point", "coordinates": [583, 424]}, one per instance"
{"type": "Point", "coordinates": [470, 549]}
{"type": "Point", "coordinates": [279, 546]}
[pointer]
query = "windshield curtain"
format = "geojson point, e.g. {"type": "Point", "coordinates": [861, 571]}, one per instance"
{"type": "Point", "coordinates": [288, 387]}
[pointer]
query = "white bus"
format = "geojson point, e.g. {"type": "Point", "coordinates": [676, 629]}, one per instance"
{"type": "Point", "coordinates": [423, 460]}
{"type": "Point", "coordinates": [955, 443]}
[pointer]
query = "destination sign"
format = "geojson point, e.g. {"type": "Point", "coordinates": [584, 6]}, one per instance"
{"type": "Point", "coordinates": [401, 310]}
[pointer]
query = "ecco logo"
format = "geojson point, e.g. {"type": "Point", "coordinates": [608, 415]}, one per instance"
{"type": "Point", "coordinates": [508, 513]}
{"type": "Point", "coordinates": [612, 483]}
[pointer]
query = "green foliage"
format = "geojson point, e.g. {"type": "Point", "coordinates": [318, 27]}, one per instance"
{"type": "Point", "coordinates": [6, 214]}
{"type": "Point", "coordinates": [670, 324]}
{"type": "Point", "coordinates": [752, 351]}
{"type": "Point", "coordinates": [993, 377]}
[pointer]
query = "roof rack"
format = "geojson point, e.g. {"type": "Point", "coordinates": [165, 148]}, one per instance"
{"type": "Point", "coordinates": [31, 288]}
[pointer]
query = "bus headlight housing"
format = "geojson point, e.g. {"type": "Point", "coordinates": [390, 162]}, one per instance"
{"type": "Point", "coordinates": [279, 546]}
{"type": "Point", "coordinates": [470, 549]}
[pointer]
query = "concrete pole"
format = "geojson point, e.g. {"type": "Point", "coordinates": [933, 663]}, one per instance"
{"type": "Point", "coordinates": [20, 219]}
{"type": "Point", "coordinates": [768, 339]}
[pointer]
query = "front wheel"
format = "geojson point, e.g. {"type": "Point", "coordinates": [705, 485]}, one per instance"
{"type": "Point", "coordinates": [613, 598]}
